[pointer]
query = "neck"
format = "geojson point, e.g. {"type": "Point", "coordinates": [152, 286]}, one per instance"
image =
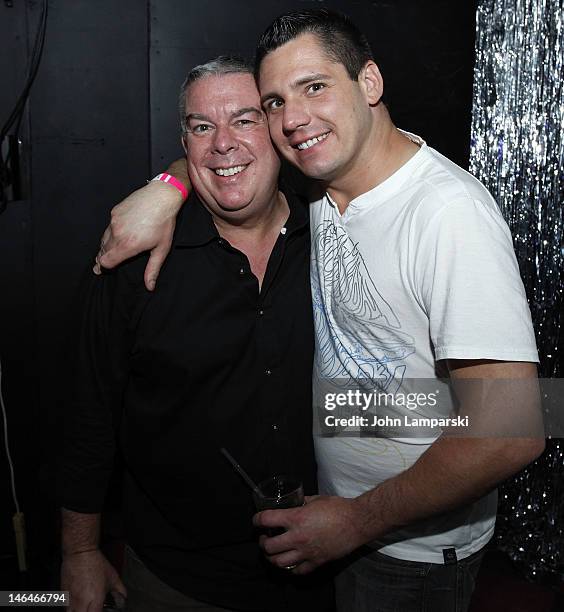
{"type": "Point", "coordinates": [256, 237]}
{"type": "Point", "coordinates": [384, 152]}
{"type": "Point", "coordinates": [259, 226]}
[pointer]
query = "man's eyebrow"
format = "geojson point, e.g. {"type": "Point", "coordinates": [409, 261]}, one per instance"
{"type": "Point", "coordinates": [244, 111]}
{"type": "Point", "coordinates": [318, 76]}
{"type": "Point", "coordinates": [198, 116]}
{"type": "Point", "coordinates": [237, 113]}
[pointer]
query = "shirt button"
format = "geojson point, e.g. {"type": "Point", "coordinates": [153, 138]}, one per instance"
{"type": "Point", "coordinates": [242, 271]}
{"type": "Point", "coordinates": [275, 427]}
{"type": "Point", "coordinates": [268, 372]}
{"type": "Point", "coordinates": [221, 241]}
{"type": "Point", "coordinates": [261, 312]}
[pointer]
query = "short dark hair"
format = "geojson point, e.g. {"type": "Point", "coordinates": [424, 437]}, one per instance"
{"type": "Point", "coordinates": [341, 40]}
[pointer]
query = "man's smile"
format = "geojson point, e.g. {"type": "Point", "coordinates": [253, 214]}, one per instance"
{"type": "Point", "coordinates": [306, 144]}
{"type": "Point", "coordinates": [231, 170]}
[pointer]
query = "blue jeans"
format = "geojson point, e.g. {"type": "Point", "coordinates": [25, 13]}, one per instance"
{"type": "Point", "coordinates": [373, 582]}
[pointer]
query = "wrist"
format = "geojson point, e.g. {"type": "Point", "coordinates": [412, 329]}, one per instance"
{"type": "Point", "coordinates": [74, 553]}
{"type": "Point", "coordinates": [368, 524]}
{"type": "Point", "coordinates": [80, 532]}
{"type": "Point", "coordinates": [172, 181]}
{"type": "Point", "coordinates": [165, 197]}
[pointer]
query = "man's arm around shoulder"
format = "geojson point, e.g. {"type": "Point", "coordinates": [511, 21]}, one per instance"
{"type": "Point", "coordinates": [144, 221]}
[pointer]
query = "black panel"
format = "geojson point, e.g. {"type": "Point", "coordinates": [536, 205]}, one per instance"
{"type": "Point", "coordinates": [90, 147]}
{"type": "Point", "coordinates": [16, 295]}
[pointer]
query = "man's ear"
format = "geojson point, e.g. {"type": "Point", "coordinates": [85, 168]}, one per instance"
{"type": "Point", "coordinates": [184, 145]}
{"type": "Point", "coordinates": [371, 82]}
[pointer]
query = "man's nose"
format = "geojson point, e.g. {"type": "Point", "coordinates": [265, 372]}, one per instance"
{"type": "Point", "coordinates": [224, 140]}
{"type": "Point", "coordinates": [296, 115]}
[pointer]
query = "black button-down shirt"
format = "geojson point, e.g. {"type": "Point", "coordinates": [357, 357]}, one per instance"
{"type": "Point", "coordinates": [205, 361]}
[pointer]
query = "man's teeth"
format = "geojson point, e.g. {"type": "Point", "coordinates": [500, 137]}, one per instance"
{"type": "Point", "coordinates": [229, 171]}
{"type": "Point", "coordinates": [309, 143]}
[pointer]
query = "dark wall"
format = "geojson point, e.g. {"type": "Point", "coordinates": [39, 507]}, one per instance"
{"type": "Point", "coordinates": [16, 290]}
{"type": "Point", "coordinates": [87, 146]}
{"type": "Point", "coordinates": [102, 119]}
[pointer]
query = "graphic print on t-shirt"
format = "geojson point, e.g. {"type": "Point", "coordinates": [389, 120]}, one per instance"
{"type": "Point", "coordinates": [358, 334]}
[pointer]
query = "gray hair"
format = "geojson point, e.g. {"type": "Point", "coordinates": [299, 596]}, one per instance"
{"type": "Point", "coordinates": [224, 64]}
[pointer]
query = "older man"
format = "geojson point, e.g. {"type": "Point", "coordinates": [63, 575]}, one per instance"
{"type": "Point", "coordinates": [413, 273]}
{"type": "Point", "coordinates": [218, 356]}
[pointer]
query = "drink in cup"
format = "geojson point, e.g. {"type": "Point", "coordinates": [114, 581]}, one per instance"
{"type": "Point", "coordinates": [279, 492]}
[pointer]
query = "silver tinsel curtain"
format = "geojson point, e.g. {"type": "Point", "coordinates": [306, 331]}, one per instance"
{"type": "Point", "coordinates": [518, 153]}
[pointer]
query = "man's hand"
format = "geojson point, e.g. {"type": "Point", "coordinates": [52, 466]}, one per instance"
{"type": "Point", "coordinates": [144, 221]}
{"type": "Point", "coordinates": [326, 528]}
{"type": "Point", "coordinates": [89, 576]}
{"type": "Point", "coordinates": [452, 472]}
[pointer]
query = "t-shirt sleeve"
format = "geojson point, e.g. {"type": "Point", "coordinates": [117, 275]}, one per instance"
{"type": "Point", "coordinates": [471, 285]}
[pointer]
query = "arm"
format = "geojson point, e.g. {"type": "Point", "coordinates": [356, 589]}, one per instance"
{"type": "Point", "coordinates": [97, 375]}
{"type": "Point", "coordinates": [144, 221]}
{"type": "Point", "coordinates": [85, 572]}
{"type": "Point", "coordinates": [452, 472]}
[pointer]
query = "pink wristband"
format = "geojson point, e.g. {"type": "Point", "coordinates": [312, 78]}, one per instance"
{"type": "Point", "coordinates": [168, 178]}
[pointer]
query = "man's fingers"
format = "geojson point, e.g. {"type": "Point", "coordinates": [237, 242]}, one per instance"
{"type": "Point", "coordinates": [304, 568]}
{"type": "Point", "coordinates": [154, 265]}
{"type": "Point", "coordinates": [278, 544]}
{"type": "Point", "coordinates": [274, 518]}
{"type": "Point", "coordinates": [95, 606]}
{"type": "Point", "coordinates": [85, 601]}
{"type": "Point", "coordinates": [117, 586]}
{"type": "Point", "coordinates": [112, 257]}
{"type": "Point", "coordinates": [119, 599]}
{"type": "Point", "coordinates": [284, 560]}
{"type": "Point", "coordinates": [85, 604]}
{"type": "Point", "coordinates": [106, 238]}
{"type": "Point", "coordinates": [115, 249]}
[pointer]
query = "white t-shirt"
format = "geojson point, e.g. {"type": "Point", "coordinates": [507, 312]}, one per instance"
{"type": "Point", "coordinates": [419, 269]}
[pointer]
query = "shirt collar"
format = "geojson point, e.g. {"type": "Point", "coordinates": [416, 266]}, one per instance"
{"type": "Point", "coordinates": [299, 209]}
{"type": "Point", "coordinates": [195, 226]}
